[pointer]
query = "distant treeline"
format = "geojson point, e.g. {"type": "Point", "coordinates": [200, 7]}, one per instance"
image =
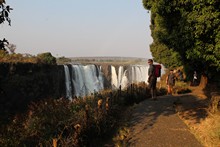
{"type": "Point", "coordinates": [122, 60]}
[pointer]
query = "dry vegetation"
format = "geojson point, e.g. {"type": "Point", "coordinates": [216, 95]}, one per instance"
{"type": "Point", "coordinates": [204, 124]}
{"type": "Point", "coordinates": [82, 122]}
{"type": "Point", "coordinates": [195, 111]}
{"type": "Point", "coordinates": [15, 58]}
{"type": "Point", "coordinates": [26, 58]}
{"type": "Point", "coordinates": [208, 130]}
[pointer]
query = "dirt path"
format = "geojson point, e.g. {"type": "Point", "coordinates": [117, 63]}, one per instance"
{"type": "Point", "coordinates": [156, 124]}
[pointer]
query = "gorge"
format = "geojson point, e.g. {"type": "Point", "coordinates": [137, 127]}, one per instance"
{"type": "Point", "coordinates": [22, 83]}
{"type": "Point", "coordinates": [82, 80]}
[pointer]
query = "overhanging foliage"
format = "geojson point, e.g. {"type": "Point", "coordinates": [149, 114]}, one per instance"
{"type": "Point", "coordinates": [189, 30]}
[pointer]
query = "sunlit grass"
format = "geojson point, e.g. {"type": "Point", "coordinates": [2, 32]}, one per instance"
{"type": "Point", "coordinates": [207, 131]}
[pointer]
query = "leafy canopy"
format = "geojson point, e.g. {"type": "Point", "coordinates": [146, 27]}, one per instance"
{"type": "Point", "coordinates": [187, 32]}
{"type": "Point", "coordinates": [4, 16]}
{"type": "Point", "coordinates": [47, 58]}
{"type": "Point", "coordinates": [4, 12]}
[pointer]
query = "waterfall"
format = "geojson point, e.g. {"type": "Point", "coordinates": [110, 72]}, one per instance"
{"type": "Point", "coordinates": [133, 74]}
{"type": "Point", "coordinates": [78, 80]}
{"type": "Point", "coordinates": [120, 75]}
{"type": "Point", "coordinates": [68, 82]}
{"type": "Point", "coordinates": [114, 78]}
{"type": "Point", "coordinates": [82, 80]}
{"type": "Point", "coordinates": [124, 80]}
{"type": "Point", "coordinates": [139, 73]}
{"type": "Point", "coordinates": [85, 79]}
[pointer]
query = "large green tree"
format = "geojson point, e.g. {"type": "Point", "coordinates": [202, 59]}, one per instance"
{"type": "Point", "coordinates": [187, 29]}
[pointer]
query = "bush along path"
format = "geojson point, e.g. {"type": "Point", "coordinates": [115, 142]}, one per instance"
{"type": "Point", "coordinates": [156, 123]}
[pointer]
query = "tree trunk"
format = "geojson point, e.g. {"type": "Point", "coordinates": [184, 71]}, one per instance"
{"type": "Point", "coordinates": [203, 81]}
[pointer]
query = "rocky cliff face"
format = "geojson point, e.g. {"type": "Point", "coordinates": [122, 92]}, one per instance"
{"type": "Point", "coordinates": [106, 70]}
{"type": "Point", "coordinates": [22, 83]}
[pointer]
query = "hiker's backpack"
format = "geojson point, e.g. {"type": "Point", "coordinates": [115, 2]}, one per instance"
{"type": "Point", "coordinates": [157, 70]}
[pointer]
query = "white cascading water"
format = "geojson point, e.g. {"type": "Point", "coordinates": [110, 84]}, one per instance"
{"type": "Point", "coordinates": [68, 82]}
{"type": "Point", "coordinates": [78, 80]}
{"type": "Point", "coordinates": [124, 80]}
{"type": "Point", "coordinates": [93, 79]}
{"type": "Point", "coordinates": [139, 73]}
{"type": "Point", "coordinates": [122, 77]}
{"type": "Point", "coordinates": [120, 74]}
{"type": "Point", "coordinates": [114, 78]}
{"type": "Point", "coordinates": [134, 74]}
{"type": "Point", "coordinates": [85, 80]}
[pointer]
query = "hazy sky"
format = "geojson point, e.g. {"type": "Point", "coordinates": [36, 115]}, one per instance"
{"type": "Point", "coordinates": [79, 28]}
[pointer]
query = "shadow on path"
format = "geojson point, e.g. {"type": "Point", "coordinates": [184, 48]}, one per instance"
{"type": "Point", "coordinates": [155, 123]}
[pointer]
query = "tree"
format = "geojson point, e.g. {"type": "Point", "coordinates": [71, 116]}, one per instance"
{"type": "Point", "coordinates": [4, 12]}
{"type": "Point", "coordinates": [162, 54]}
{"type": "Point", "coordinates": [47, 58]}
{"type": "Point", "coordinates": [190, 29]}
{"type": "Point", "coordinates": [3, 44]}
{"type": "Point", "coordinates": [4, 16]}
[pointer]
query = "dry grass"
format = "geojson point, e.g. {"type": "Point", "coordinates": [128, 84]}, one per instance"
{"type": "Point", "coordinates": [203, 124]}
{"type": "Point", "coordinates": [207, 131]}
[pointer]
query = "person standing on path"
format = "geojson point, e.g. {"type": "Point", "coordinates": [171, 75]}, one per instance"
{"type": "Point", "coordinates": [170, 81]}
{"type": "Point", "coordinates": [152, 79]}
{"type": "Point", "coordinates": [195, 79]}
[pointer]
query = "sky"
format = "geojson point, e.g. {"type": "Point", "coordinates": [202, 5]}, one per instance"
{"type": "Point", "coordinates": [79, 28]}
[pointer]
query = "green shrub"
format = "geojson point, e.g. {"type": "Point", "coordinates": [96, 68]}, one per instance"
{"type": "Point", "coordinates": [47, 58]}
